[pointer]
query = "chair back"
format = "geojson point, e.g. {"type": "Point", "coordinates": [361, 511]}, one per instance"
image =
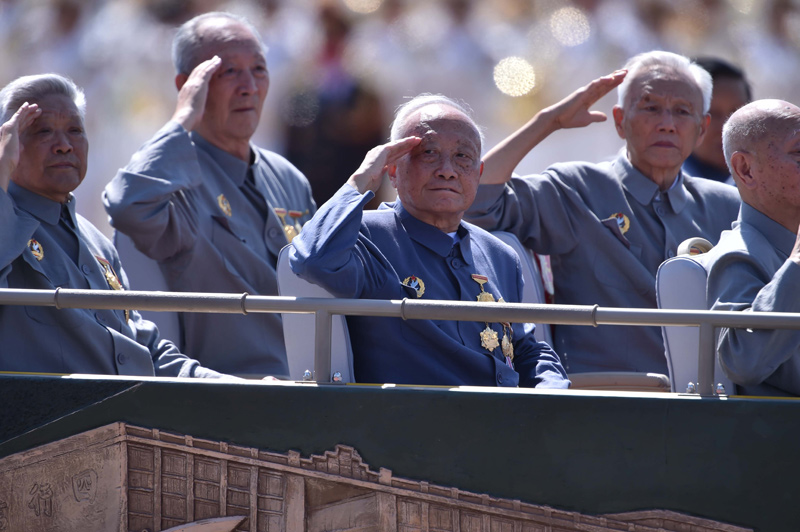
{"type": "Point", "coordinates": [681, 284]}
{"type": "Point", "coordinates": [145, 274]}
{"type": "Point", "coordinates": [298, 329]}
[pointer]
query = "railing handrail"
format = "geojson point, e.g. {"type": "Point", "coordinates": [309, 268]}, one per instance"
{"type": "Point", "coordinates": [406, 309]}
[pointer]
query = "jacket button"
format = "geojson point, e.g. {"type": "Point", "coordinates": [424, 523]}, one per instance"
{"type": "Point", "coordinates": [121, 358]}
{"type": "Point", "coordinates": [86, 269]}
{"type": "Point", "coordinates": [273, 232]}
{"type": "Point", "coordinates": [499, 378]}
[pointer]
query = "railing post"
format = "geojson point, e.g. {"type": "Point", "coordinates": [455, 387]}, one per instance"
{"type": "Point", "coordinates": [322, 346]}
{"type": "Point", "coordinates": [706, 360]}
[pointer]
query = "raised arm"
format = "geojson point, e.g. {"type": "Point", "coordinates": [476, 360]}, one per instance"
{"type": "Point", "coordinates": [571, 112]}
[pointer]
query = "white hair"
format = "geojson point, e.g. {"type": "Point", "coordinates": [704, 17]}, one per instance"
{"type": "Point", "coordinates": [676, 62]}
{"type": "Point", "coordinates": [34, 88]}
{"type": "Point", "coordinates": [408, 108]}
{"type": "Point", "coordinates": [188, 41]}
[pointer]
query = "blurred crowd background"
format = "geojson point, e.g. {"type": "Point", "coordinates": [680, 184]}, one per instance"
{"type": "Point", "coordinates": [339, 68]}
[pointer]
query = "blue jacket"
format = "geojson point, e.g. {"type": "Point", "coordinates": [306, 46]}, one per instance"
{"type": "Point", "coordinates": [389, 254]}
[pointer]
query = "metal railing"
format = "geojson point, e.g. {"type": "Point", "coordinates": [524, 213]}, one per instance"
{"type": "Point", "coordinates": [410, 309]}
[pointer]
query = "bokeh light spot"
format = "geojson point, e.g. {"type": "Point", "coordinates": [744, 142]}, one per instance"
{"type": "Point", "coordinates": [570, 26]}
{"type": "Point", "coordinates": [742, 6]}
{"type": "Point", "coordinates": [363, 6]}
{"type": "Point", "coordinates": [514, 76]}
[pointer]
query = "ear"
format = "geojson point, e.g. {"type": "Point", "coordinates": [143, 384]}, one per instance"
{"type": "Point", "coordinates": [391, 170]}
{"type": "Point", "coordinates": [481, 171]}
{"type": "Point", "coordinates": [180, 79]}
{"type": "Point", "coordinates": [704, 122]}
{"type": "Point", "coordinates": [619, 116]}
{"type": "Point", "coordinates": [742, 168]}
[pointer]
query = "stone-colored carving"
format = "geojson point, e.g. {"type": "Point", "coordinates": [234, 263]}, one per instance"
{"type": "Point", "coordinates": [41, 501]}
{"type": "Point", "coordinates": [3, 516]}
{"type": "Point", "coordinates": [84, 485]}
{"type": "Point", "coordinates": [127, 478]}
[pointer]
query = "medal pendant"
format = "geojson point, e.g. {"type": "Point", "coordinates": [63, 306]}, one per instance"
{"type": "Point", "coordinates": [297, 215]}
{"type": "Point", "coordinates": [290, 232]}
{"type": "Point", "coordinates": [485, 297]}
{"type": "Point", "coordinates": [489, 339]}
{"type": "Point", "coordinates": [507, 347]}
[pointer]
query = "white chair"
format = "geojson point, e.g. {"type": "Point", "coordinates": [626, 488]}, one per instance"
{"type": "Point", "coordinates": [681, 284]}
{"type": "Point", "coordinates": [533, 291]}
{"type": "Point", "coordinates": [145, 274]}
{"type": "Point", "coordinates": [298, 329]}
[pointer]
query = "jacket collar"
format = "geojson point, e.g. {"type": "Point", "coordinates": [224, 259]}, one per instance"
{"type": "Point", "coordinates": [778, 235]}
{"type": "Point", "coordinates": [432, 237]}
{"type": "Point", "coordinates": [44, 209]}
{"type": "Point", "coordinates": [644, 189]}
{"type": "Point", "coordinates": [233, 167]}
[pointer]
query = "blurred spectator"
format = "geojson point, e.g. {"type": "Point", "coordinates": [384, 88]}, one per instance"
{"type": "Point", "coordinates": [332, 117]}
{"type": "Point", "coordinates": [731, 91]}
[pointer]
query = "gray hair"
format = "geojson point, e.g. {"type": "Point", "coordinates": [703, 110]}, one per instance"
{"type": "Point", "coordinates": [34, 88]}
{"type": "Point", "coordinates": [188, 41]}
{"type": "Point", "coordinates": [672, 61]}
{"type": "Point", "coordinates": [755, 122]}
{"type": "Point", "coordinates": [408, 108]}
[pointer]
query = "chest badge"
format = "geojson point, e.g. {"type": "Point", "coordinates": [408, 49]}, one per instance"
{"type": "Point", "coordinates": [112, 279]}
{"type": "Point", "coordinates": [224, 205]}
{"type": "Point", "coordinates": [415, 283]}
{"type": "Point", "coordinates": [623, 221]}
{"type": "Point", "coordinates": [483, 296]}
{"type": "Point", "coordinates": [36, 248]}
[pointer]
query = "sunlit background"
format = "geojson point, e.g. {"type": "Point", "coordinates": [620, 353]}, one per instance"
{"type": "Point", "coordinates": [339, 68]}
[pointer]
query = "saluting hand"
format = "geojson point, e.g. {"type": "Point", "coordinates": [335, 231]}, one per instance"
{"type": "Point", "coordinates": [10, 147]}
{"type": "Point", "coordinates": [573, 111]}
{"type": "Point", "coordinates": [378, 160]}
{"type": "Point", "coordinates": [193, 93]}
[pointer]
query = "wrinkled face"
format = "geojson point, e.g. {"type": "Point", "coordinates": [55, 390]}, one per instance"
{"type": "Point", "coordinates": [438, 180]}
{"type": "Point", "coordinates": [52, 161]}
{"type": "Point", "coordinates": [729, 95]}
{"type": "Point", "coordinates": [776, 166]}
{"type": "Point", "coordinates": [238, 88]}
{"type": "Point", "coordinates": [662, 120]}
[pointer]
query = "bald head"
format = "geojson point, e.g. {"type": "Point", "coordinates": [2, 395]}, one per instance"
{"type": "Point", "coordinates": [756, 123]}
{"type": "Point", "coordinates": [762, 148]}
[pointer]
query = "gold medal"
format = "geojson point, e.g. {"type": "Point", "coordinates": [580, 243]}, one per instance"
{"type": "Point", "coordinates": [36, 249]}
{"type": "Point", "coordinates": [289, 230]}
{"type": "Point", "coordinates": [489, 339]}
{"type": "Point", "coordinates": [506, 344]}
{"type": "Point", "coordinates": [224, 205]}
{"type": "Point", "coordinates": [483, 297]}
{"type": "Point", "coordinates": [415, 283]}
{"type": "Point", "coordinates": [112, 279]}
{"type": "Point", "coordinates": [623, 222]}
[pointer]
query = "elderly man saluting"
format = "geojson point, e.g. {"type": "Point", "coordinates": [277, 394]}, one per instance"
{"type": "Point", "coordinates": [44, 244]}
{"type": "Point", "coordinates": [212, 208]}
{"type": "Point", "coordinates": [756, 265]}
{"type": "Point", "coordinates": [418, 247]}
{"type": "Point", "coordinates": [608, 226]}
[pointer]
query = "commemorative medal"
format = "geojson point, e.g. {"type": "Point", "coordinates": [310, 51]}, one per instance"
{"type": "Point", "coordinates": [112, 279]}
{"type": "Point", "coordinates": [36, 249]}
{"type": "Point", "coordinates": [289, 230]}
{"type": "Point", "coordinates": [415, 283]}
{"type": "Point", "coordinates": [506, 344]}
{"type": "Point", "coordinates": [489, 339]}
{"type": "Point", "coordinates": [623, 221]}
{"type": "Point", "coordinates": [297, 215]}
{"type": "Point", "coordinates": [484, 296]}
{"type": "Point", "coordinates": [224, 205]}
